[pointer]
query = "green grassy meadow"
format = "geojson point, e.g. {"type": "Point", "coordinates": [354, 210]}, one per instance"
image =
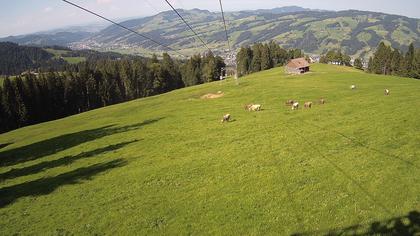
{"type": "Point", "coordinates": [59, 54]}
{"type": "Point", "coordinates": [166, 165]}
{"type": "Point", "coordinates": [74, 60]}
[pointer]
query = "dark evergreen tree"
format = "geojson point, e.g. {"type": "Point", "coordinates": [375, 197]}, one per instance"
{"type": "Point", "coordinates": [358, 64]}
{"type": "Point", "coordinates": [3, 119]}
{"type": "Point", "coordinates": [32, 99]}
{"type": "Point", "coordinates": [266, 60]}
{"type": "Point", "coordinates": [244, 60]}
{"type": "Point", "coordinates": [20, 106]}
{"type": "Point", "coordinates": [9, 105]}
{"type": "Point", "coordinates": [192, 71]}
{"type": "Point", "coordinates": [209, 68]}
{"type": "Point", "coordinates": [256, 58]}
{"type": "Point", "coordinates": [416, 65]}
{"type": "Point", "coordinates": [395, 64]}
{"type": "Point", "coordinates": [370, 65]}
{"type": "Point", "coordinates": [171, 73]}
{"type": "Point", "coordinates": [278, 55]}
{"type": "Point", "coordinates": [409, 60]}
{"type": "Point", "coordinates": [381, 62]}
{"type": "Point", "coordinates": [295, 53]}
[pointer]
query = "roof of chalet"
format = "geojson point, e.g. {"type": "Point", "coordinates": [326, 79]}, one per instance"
{"type": "Point", "coordinates": [298, 63]}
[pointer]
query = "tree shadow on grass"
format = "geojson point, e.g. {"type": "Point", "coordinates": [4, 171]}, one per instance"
{"type": "Point", "coordinates": [60, 162]}
{"type": "Point", "coordinates": [3, 145]}
{"type": "Point", "coordinates": [48, 185]}
{"type": "Point", "coordinates": [51, 146]}
{"type": "Point", "coordinates": [403, 225]}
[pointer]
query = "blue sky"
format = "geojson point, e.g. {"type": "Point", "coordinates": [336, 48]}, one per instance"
{"type": "Point", "coordinates": [27, 16]}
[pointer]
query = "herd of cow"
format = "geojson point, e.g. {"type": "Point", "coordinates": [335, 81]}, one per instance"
{"type": "Point", "coordinates": [293, 103]}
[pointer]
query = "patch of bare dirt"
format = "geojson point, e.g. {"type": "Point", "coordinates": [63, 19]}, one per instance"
{"type": "Point", "coordinates": [213, 95]}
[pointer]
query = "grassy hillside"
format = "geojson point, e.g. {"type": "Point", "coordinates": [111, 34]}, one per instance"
{"type": "Point", "coordinates": [166, 165]}
{"type": "Point", "coordinates": [59, 54]}
{"type": "Point", "coordinates": [357, 33]}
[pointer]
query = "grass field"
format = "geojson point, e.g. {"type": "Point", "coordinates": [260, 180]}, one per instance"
{"type": "Point", "coordinates": [166, 165]}
{"type": "Point", "coordinates": [74, 60]}
{"type": "Point", "coordinates": [59, 54]}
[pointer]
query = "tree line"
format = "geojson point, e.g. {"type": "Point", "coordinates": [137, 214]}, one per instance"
{"type": "Point", "coordinates": [31, 99]}
{"type": "Point", "coordinates": [389, 61]}
{"type": "Point", "coordinates": [263, 57]}
{"type": "Point", "coordinates": [15, 59]}
{"type": "Point", "coordinates": [336, 57]}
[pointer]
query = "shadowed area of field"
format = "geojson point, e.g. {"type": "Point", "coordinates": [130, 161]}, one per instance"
{"type": "Point", "coordinates": [47, 185]}
{"type": "Point", "coordinates": [404, 225]}
{"type": "Point", "coordinates": [14, 173]}
{"type": "Point", "coordinates": [63, 142]}
{"type": "Point", "coordinates": [3, 145]}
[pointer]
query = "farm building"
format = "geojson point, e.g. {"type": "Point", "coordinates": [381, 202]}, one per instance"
{"type": "Point", "coordinates": [297, 66]}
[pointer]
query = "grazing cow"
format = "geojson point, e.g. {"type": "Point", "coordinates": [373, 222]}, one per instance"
{"type": "Point", "coordinates": [321, 101]}
{"type": "Point", "coordinates": [226, 118]}
{"type": "Point", "coordinates": [289, 102]}
{"type": "Point", "coordinates": [253, 107]}
{"type": "Point", "coordinates": [386, 92]}
{"type": "Point", "coordinates": [308, 105]}
{"type": "Point", "coordinates": [295, 106]}
{"type": "Point", "coordinates": [353, 87]}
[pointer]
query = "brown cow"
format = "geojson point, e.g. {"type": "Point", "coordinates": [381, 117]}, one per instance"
{"type": "Point", "coordinates": [290, 102]}
{"type": "Point", "coordinates": [308, 105]}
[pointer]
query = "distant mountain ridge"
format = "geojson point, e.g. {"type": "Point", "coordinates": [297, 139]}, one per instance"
{"type": "Point", "coordinates": [357, 33]}
{"type": "Point", "coordinates": [45, 39]}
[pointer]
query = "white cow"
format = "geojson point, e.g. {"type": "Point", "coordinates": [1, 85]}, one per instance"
{"type": "Point", "coordinates": [226, 118]}
{"type": "Point", "coordinates": [255, 107]}
{"type": "Point", "coordinates": [386, 92]}
{"type": "Point", "coordinates": [353, 86]}
{"type": "Point", "coordinates": [295, 106]}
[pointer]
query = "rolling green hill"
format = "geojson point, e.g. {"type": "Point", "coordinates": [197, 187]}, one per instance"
{"type": "Point", "coordinates": [166, 165]}
{"type": "Point", "coordinates": [355, 32]}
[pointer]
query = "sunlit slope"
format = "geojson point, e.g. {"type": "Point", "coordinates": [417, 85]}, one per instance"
{"type": "Point", "coordinates": [166, 165]}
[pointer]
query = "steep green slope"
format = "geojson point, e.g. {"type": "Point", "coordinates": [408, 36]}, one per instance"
{"type": "Point", "coordinates": [166, 165]}
{"type": "Point", "coordinates": [355, 32]}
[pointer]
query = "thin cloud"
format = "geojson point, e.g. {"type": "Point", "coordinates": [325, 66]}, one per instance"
{"type": "Point", "coordinates": [103, 1]}
{"type": "Point", "coordinates": [48, 9]}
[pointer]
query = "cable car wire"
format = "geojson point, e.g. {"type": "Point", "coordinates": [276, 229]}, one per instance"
{"type": "Point", "coordinates": [224, 23]}
{"type": "Point", "coordinates": [182, 18]}
{"type": "Point", "coordinates": [124, 27]}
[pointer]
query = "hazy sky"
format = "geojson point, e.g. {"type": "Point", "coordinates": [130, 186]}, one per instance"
{"type": "Point", "coordinates": [27, 16]}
